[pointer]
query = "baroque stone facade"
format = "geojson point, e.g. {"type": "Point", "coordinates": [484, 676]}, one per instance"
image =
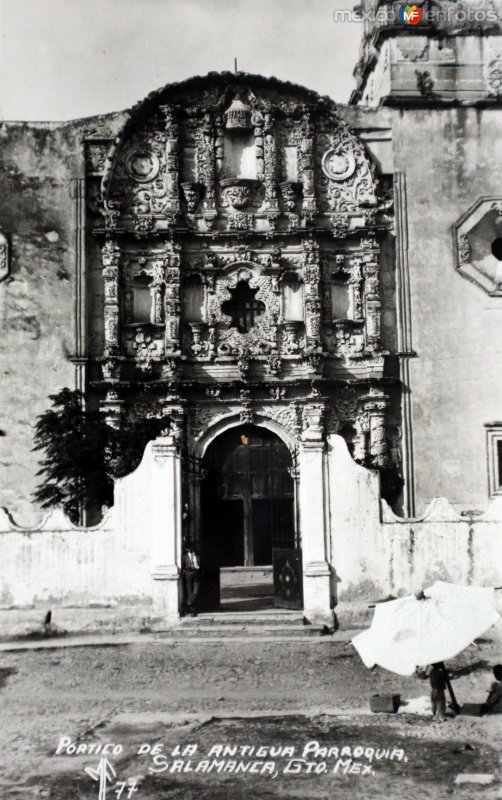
{"type": "Point", "coordinates": [238, 224]}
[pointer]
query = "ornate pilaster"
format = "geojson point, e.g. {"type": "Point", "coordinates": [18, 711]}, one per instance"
{"type": "Point", "coordinates": [111, 274]}
{"type": "Point", "coordinates": [172, 160]}
{"type": "Point", "coordinates": [356, 290]}
{"type": "Point", "coordinates": [312, 276]}
{"type": "Point", "coordinates": [219, 147]}
{"type": "Point", "coordinates": [270, 164]}
{"type": "Point", "coordinates": [156, 291]}
{"type": "Point", "coordinates": [207, 161]}
{"type": "Point", "coordinates": [172, 302]}
{"type": "Point", "coordinates": [372, 293]}
{"type": "Point", "coordinates": [306, 167]}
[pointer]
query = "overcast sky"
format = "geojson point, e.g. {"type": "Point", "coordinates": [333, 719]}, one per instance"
{"type": "Point", "coordinates": [61, 59]}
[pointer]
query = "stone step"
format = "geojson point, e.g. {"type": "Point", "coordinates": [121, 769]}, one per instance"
{"type": "Point", "coordinates": [248, 618]}
{"type": "Point", "coordinates": [241, 639]}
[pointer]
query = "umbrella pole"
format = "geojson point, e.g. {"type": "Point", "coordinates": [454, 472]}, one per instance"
{"type": "Point", "coordinates": [456, 706]}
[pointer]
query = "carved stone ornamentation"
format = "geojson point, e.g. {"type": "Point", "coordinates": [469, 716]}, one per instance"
{"type": "Point", "coordinates": [287, 415]}
{"type": "Point", "coordinates": [475, 232]}
{"type": "Point", "coordinates": [494, 76]}
{"type": "Point", "coordinates": [143, 225]}
{"type": "Point", "coordinates": [247, 415]}
{"type": "Point", "coordinates": [290, 191]}
{"type": "Point", "coordinates": [96, 156]}
{"type": "Point", "coordinates": [305, 319]}
{"type": "Point", "coordinates": [4, 257]}
{"type": "Point", "coordinates": [313, 422]}
{"type": "Point", "coordinates": [238, 115]}
{"type": "Point", "coordinates": [239, 192]}
{"type": "Point", "coordinates": [340, 224]}
{"type": "Point", "coordinates": [240, 221]}
{"type": "Point", "coordinates": [274, 365]}
{"type": "Point", "coordinates": [142, 164]}
{"type": "Point", "coordinates": [193, 194]}
{"type": "Point", "coordinates": [464, 249]}
{"type": "Point", "coordinates": [338, 164]}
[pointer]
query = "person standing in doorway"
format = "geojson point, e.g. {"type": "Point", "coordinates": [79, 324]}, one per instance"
{"type": "Point", "coordinates": [191, 577]}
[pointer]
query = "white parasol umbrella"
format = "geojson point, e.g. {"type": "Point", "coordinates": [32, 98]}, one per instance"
{"type": "Point", "coordinates": [412, 632]}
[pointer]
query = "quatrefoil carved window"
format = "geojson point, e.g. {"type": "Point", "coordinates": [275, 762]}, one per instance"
{"type": "Point", "coordinates": [243, 308]}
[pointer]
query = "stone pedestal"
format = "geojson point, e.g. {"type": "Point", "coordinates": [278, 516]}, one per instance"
{"type": "Point", "coordinates": [312, 500]}
{"type": "Point", "coordinates": [165, 518]}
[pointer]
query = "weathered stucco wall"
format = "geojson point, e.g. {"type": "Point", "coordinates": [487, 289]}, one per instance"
{"type": "Point", "coordinates": [133, 556]}
{"type": "Point", "coordinates": [451, 157]}
{"type": "Point", "coordinates": [37, 164]}
{"type": "Point", "coordinates": [377, 553]}
{"type": "Point", "coordinates": [59, 563]}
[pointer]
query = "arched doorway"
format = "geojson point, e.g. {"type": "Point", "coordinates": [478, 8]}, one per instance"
{"type": "Point", "coordinates": [248, 509]}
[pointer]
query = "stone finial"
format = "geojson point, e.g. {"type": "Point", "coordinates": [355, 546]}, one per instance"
{"type": "Point", "coordinates": [238, 115]}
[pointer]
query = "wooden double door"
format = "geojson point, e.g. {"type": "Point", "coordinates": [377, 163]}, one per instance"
{"type": "Point", "coordinates": [247, 498]}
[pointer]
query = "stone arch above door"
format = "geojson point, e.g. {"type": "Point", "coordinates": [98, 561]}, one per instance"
{"type": "Point", "coordinates": [225, 422]}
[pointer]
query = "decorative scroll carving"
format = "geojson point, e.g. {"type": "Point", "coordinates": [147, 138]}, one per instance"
{"type": "Point", "coordinates": [309, 167]}
{"type": "Point", "coordinates": [346, 183]}
{"type": "Point", "coordinates": [338, 164]}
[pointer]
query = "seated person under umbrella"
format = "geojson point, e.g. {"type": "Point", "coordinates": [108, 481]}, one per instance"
{"type": "Point", "coordinates": [493, 703]}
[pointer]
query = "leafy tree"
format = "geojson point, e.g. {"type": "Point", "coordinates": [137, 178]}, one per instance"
{"type": "Point", "coordinates": [83, 455]}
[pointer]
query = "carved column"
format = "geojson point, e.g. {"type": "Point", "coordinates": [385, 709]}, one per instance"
{"type": "Point", "coordinates": [312, 276]}
{"type": "Point", "coordinates": [356, 289]}
{"type": "Point", "coordinates": [306, 166]}
{"type": "Point", "coordinates": [172, 303]}
{"type": "Point", "coordinates": [111, 264]}
{"type": "Point", "coordinates": [172, 160]}
{"type": "Point", "coordinates": [269, 164]}
{"type": "Point", "coordinates": [219, 146]}
{"type": "Point", "coordinates": [207, 160]}
{"type": "Point", "coordinates": [361, 441]}
{"type": "Point", "coordinates": [258, 121]}
{"type": "Point", "coordinates": [372, 293]}
{"type": "Point", "coordinates": [165, 521]}
{"type": "Point", "coordinates": [375, 406]}
{"type": "Point", "coordinates": [313, 501]}
{"type": "Point", "coordinates": [156, 292]}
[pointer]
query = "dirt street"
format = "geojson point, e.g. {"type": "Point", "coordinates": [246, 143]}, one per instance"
{"type": "Point", "coordinates": [263, 701]}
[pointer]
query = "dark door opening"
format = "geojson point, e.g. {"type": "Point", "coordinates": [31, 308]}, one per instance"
{"type": "Point", "coordinates": [247, 511]}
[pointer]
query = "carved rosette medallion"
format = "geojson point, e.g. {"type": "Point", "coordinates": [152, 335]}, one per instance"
{"type": "Point", "coordinates": [142, 165]}
{"type": "Point", "coordinates": [338, 165]}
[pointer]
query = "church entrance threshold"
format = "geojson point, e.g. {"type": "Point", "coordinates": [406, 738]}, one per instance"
{"type": "Point", "coordinates": [246, 589]}
{"type": "Point", "coordinates": [247, 516]}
